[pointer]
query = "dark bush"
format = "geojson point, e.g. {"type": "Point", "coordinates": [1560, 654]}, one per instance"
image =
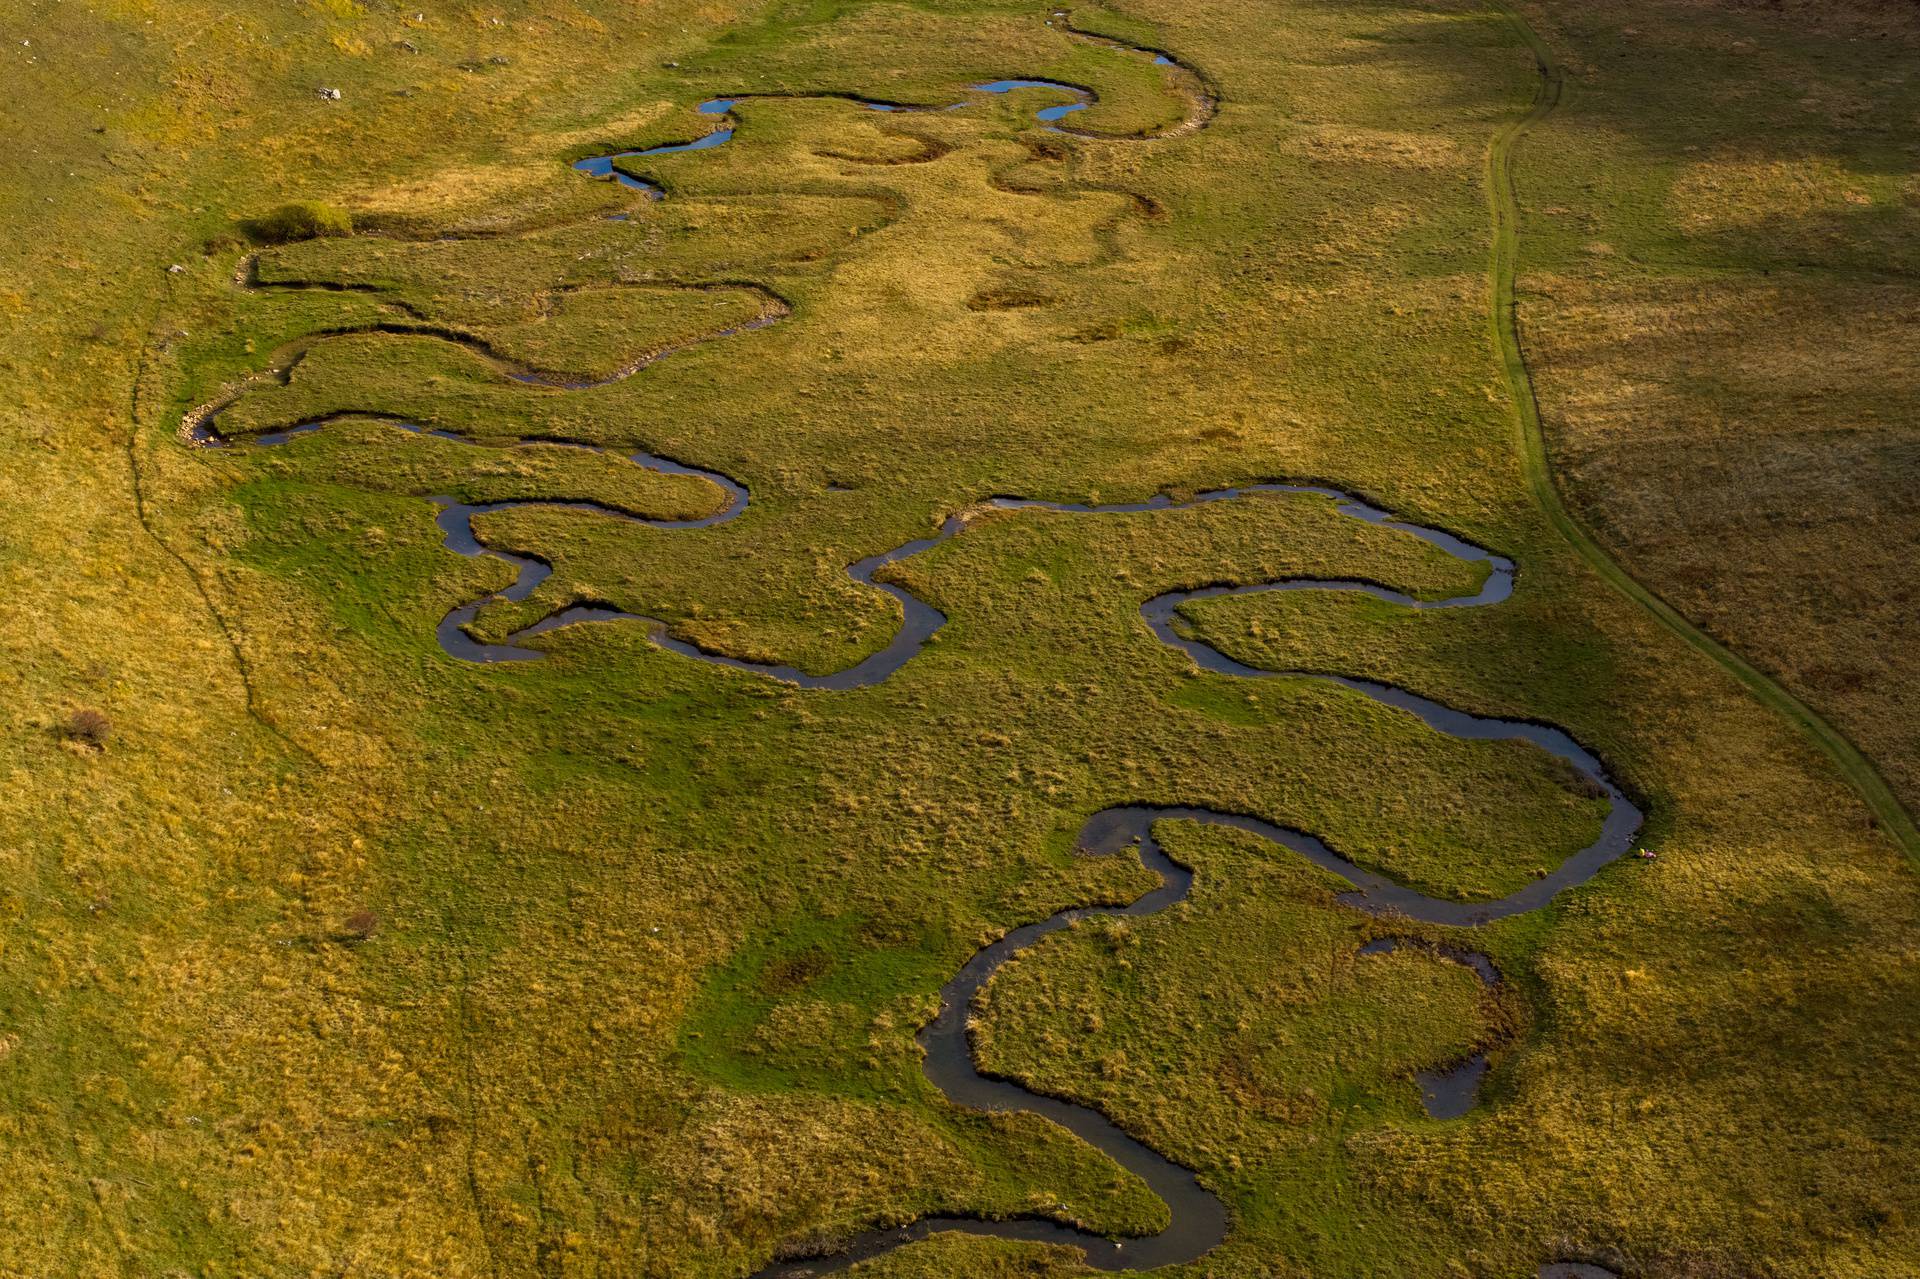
{"type": "Point", "coordinates": [361, 924]}
{"type": "Point", "coordinates": [89, 727]}
{"type": "Point", "coordinates": [301, 220]}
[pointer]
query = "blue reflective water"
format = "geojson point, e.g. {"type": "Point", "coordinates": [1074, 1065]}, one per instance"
{"type": "Point", "coordinates": [1083, 98]}
{"type": "Point", "coordinates": [713, 139]}
{"type": "Point", "coordinates": [602, 166]}
{"type": "Point", "coordinates": [1003, 86]}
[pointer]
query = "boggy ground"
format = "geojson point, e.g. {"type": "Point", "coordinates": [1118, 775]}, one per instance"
{"type": "Point", "coordinates": [651, 939]}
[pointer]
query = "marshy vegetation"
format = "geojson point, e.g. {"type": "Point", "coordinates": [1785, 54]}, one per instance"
{"type": "Point", "coordinates": [345, 957]}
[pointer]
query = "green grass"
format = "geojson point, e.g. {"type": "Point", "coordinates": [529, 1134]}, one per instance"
{"type": "Point", "coordinates": [301, 220]}
{"type": "Point", "coordinates": [654, 938]}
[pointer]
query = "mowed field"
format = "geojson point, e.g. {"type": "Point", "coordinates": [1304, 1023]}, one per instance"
{"type": "Point", "coordinates": [324, 953]}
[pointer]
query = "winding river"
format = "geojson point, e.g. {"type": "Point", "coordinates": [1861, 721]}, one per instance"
{"type": "Point", "coordinates": [1199, 1220]}
{"type": "Point", "coordinates": [1192, 89]}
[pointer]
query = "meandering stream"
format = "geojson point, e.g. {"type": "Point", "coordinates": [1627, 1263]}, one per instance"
{"type": "Point", "coordinates": [1199, 1219]}
{"type": "Point", "coordinates": [1199, 100]}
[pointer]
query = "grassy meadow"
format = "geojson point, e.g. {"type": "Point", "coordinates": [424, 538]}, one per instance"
{"type": "Point", "coordinates": [326, 954]}
{"type": "Point", "coordinates": [1726, 328]}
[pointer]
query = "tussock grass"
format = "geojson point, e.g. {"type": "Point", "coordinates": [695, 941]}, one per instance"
{"type": "Point", "coordinates": [652, 939]}
{"type": "Point", "coordinates": [300, 220]}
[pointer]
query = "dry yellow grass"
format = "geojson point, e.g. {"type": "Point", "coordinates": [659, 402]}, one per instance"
{"type": "Point", "coordinates": [1724, 321]}
{"type": "Point", "coordinates": [562, 1050]}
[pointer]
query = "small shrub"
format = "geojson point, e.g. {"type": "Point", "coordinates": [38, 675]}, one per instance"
{"type": "Point", "coordinates": [301, 220]}
{"type": "Point", "coordinates": [360, 925]}
{"type": "Point", "coordinates": [88, 727]}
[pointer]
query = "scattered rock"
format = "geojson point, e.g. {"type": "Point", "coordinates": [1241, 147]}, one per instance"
{"type": "Point", "coordinates": [331, 95]}
{"type": "Point", "coordinates": [175, 269]}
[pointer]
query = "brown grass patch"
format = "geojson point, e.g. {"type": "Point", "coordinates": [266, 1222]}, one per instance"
{"type": "Point", "coordinates": [1008, 299]}
{"type": "Point", "coordinates": [1753, 449]}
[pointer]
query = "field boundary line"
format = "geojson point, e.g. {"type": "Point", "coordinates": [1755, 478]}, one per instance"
{"type": "Point", "coordinates": [1504, 324]}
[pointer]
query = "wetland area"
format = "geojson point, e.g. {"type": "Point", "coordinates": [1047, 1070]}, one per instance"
{"type": "Point", "coordinates": [788, 637]}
